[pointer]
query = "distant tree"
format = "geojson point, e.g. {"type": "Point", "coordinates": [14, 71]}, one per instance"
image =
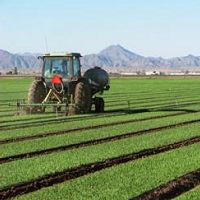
{"type": "Point", "coordinates": [138, 72]}
{"type": "Point", "coordinates": [9, 73]}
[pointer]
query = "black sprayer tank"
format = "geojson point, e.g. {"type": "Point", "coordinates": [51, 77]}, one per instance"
{"type": "Point", "coordinates": [97, 75]}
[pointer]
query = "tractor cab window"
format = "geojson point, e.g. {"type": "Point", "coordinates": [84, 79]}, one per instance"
{"type": "Point", "coordinates": [59, 66]}
{"type": "Point", "coordinates": [47, 70]}
{"type": "Point", "coordinates": [77, 69]}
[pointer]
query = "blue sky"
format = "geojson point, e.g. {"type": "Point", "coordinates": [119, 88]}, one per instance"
{"type": "Point", "coordinates": [166, 28]}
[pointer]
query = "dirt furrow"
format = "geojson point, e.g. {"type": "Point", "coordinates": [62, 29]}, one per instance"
{"type": "Point", "coordinates": [91, 142]}
{"type": "Point", "coordinates": [42, 135]}
{"type": "Point", "coordinates": [73, 173]}
{"type": "Point", "coordinates": [173, 188]}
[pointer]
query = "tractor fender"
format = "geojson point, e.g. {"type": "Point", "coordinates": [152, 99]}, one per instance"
{"type": "Point", "coordinates": [39, 78]}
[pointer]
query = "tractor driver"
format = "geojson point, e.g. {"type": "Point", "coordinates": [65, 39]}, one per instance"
{"type": "Point", "coordinates": [63, 68]}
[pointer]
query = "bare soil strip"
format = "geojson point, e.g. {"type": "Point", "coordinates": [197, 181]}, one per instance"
{"type": "Point", "coordinates": [73, 173]}
{"type": "Point", "coordinates": [173, 188]}
{"type": "Point", "coordinates": [92, 142]}
{"type": "Point", "coordinates": [42, 135]}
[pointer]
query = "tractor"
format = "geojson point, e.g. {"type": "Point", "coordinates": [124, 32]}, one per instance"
{"type": "Point", "coordinates": [62, 84]}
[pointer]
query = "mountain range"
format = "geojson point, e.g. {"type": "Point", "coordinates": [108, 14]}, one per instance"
{"type": "Point", "coordinates": [114, 58]}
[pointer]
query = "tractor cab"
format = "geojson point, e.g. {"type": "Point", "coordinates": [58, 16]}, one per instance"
{"type": "Point", "coordinates": [64, 65]}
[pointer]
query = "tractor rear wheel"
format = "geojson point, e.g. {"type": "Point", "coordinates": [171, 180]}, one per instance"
{"type": "Point", "coordinates": [82, 98]}
{"type": "Point", "coordinates": [37, 93]}
{"type": "Point", "coordinates": [99, 105]}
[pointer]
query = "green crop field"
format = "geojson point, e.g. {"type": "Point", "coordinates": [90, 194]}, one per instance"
{"type": "Point", "coordinates": [146, 145]}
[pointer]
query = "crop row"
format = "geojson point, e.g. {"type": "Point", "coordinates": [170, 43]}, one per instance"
{"type": "Point", "coordinates": [126, 180]}
{"type": "Point", "coordinates": [110, 149]}
{"type": "Point", "coordinates": [74, 172]}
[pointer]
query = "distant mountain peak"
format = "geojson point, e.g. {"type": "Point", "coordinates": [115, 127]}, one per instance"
{"type": "Point", "coordinates": [115, 48]}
